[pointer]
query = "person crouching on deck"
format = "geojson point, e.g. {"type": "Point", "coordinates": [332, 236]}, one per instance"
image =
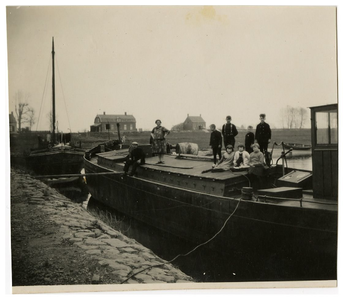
{"type": "Point", "coordinates": [215, 142]}
{"type": "Point", "coordinates": [241, 157]}
{"type": "Point", "coordinates": [225, 163]}
{"type": "Point", "coordinates": [135, 154]}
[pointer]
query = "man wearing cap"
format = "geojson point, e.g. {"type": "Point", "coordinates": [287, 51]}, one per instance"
{"type": "Point", "coordinates": [241, 157]}
{"type": "Point", "coordinates": [229, 132]}
{"type": "Point", "coordinates": [135, 154]}
{"type": "Point", "coordinates": [263, 134]}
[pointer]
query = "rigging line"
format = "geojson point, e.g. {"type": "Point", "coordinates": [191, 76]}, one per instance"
{"type": "Point", "coordinates": [194, 249]}
{"type": "Point", "coordinates": [45, 84]}
{"type": "Point", "coordinates": [63, 96]}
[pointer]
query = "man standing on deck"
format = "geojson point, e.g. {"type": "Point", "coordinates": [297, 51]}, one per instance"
{"type": "Point", "coordinates": [263, 134]}
{"type": "Point", "coordinates": [135, 154]}
{"type": "Point", "coordinates": [229, 132]}
{"type": "Point", "coordinates": [215, 143]}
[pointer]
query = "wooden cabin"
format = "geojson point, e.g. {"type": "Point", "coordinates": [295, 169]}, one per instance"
{"type": "Point", "coordinates": [324, 121]}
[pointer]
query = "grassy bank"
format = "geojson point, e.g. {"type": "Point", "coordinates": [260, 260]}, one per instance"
{"type": "Point", "coordinates": [201, 138]}
{"type": "Point", "coordinates": [21, 143]}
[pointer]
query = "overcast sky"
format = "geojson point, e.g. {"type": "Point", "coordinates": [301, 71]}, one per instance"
{"type": "Point", "coordinates": [167, 62]}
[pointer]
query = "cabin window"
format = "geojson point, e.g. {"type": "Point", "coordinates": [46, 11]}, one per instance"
{"type": "Point", "coordinates": [125, 127]}
{"type": "Point", "coordinates": [333, 128]}
{"type": "Point", "coordinates": [131, 126]}
{"type": "Point", "coordinates": [326, 127]}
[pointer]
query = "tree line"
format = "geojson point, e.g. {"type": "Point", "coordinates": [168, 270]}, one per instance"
{"type": "Point", "coordinates": [294, 117]}
{"type": "Point", "coordinates": [290, 117]}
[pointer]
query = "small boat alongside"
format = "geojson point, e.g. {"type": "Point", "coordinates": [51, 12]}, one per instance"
{"type": "Point", "coordinates": [55, 156]}
{"type": "Point", "coordinates": [301, 147]}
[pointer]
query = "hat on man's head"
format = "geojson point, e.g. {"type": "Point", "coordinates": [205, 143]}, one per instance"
{"type": "Point", "coordinates": [157, 121]}
{"type": "Point", "coordinates": [134, 143]}
{"type": "Point", "coordinates": [262, 116]}
{"type": "Point", "coordinates": [228, 118]}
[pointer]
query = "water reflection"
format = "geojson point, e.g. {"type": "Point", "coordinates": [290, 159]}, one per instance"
{"type": "Point", "coordinates": [296, 159]}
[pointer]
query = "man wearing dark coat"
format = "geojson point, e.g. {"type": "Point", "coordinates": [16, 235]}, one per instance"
{"type": "Point", "coordinates": [229, 132]}
{"type": "Point", "coordinates": [135, 154]}
{"type": "Point", "coordinates": [263, 134]}
{"type": "Point", "coordinates": [249, 139]}
{"type": "Point", "coordinates": [215, 142]}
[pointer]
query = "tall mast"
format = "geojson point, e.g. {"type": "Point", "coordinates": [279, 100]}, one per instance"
{"type": "Point", "coordinates": [53, 85]}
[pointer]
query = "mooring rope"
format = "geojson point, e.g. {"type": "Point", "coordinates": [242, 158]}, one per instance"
{"type": "Point", "coordinates": [194, 249]}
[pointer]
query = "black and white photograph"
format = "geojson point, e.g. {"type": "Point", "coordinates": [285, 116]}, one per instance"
{"type": "Point", "coordinates": [172, 147]}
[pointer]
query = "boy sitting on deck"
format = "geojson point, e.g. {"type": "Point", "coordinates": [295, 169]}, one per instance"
{"type": "Point", "coordinates": [225, 163]}
{"type": "Point", "coordinates": [257, 167]}
{"type": "Point", "coordinates": [135, 154]}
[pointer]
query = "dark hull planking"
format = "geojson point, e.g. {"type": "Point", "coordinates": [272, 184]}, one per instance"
{"type": "Point", "coordinates": [292, 232]}
{"type": "Point", "coordinates": [55, 162]}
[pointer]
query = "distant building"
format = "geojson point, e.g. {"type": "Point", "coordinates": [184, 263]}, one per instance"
{"type": "Point", "coordinates": [194, 123]}
{"type": "Point", "coordinates": [104, 122]}
{"type": "Point", "coordinates": [13, 122]}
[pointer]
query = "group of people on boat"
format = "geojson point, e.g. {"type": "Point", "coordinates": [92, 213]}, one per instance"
{"type": "Point", "coordinates": [248, 155]}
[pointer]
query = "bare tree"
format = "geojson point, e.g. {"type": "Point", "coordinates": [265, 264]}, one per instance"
{"type": "Point", "coordinates": [303, 113]}
{"type": "Point", "coordinates": [30, 117]}
{"type": "Point", "coordinates": [21, 107]}
{"type": "Point", "coordinates": [293, 117]}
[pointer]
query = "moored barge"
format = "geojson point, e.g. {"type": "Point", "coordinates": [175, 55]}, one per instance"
{"type": "Point", "coordinates": [283, 218]}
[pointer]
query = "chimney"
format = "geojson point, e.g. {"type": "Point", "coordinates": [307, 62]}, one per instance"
{"type": "Point", "coordinates": [125, 113]}
{"type": "Point", "coordinates": [104, 113]}
{"type": "Point", "coordinates": [200, 115]}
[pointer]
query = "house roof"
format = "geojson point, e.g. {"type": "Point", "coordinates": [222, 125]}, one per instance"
{"type": "Point", "coordinates": [195, 119]}
{"type": "Point", "coordinates": [116, 118]}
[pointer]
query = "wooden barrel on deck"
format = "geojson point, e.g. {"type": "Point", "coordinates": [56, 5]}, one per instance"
{"type": "Point", "coordinates": [187, 148]}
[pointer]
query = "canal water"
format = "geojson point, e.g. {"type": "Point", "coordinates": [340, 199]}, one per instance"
{"type": "Point", "coordinates": [209, 266]}
{"type": "Point", "coordinates": [296, 159]}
